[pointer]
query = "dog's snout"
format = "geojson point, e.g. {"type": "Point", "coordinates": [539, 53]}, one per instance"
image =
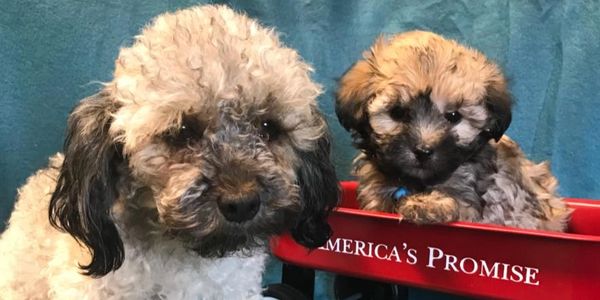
{"type": "Point", "coordinates": [241, 208]}
{"type": "Point", "coordinates": [423, 153]}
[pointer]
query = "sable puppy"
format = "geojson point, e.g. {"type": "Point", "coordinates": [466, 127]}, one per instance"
{"type": "Point", "coordinates": [207, 142]}
{"type": "Point", "coordinates": [428, 116]}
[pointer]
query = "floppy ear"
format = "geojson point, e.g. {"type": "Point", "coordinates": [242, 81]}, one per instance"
{"type": "Point", "coordinates": [498, 103]}
{"type": "Point", "coordinates": [86, 186]}
{"type": "Point", "coordinates": [352, 99]}
{"type": "Point", "coordinates": [352, 95]}
{"type": "Point", "coordinates": [319, 193]}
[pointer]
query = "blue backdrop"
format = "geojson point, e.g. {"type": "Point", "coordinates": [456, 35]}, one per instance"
{"type": "Point", "coordinates": [51, 52]}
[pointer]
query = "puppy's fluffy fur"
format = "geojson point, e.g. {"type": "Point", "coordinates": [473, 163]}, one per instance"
{"type": "Point", "coordinates": [206, 142]}
{"type": "Point", "coordinates": [428, 114]}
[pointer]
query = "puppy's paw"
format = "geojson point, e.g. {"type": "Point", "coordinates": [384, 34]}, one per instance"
{"type": "Point", "coordinates": [432, 208]}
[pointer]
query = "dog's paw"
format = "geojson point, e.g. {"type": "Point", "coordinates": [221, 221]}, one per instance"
{"type": "Point", "coordinates": [433, 208]}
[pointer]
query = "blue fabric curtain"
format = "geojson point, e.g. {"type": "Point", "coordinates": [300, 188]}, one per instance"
{"type": "Point", "coordinates": [52, 52]}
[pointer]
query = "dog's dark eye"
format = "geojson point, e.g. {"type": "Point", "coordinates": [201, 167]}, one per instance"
{"type": "Point", "coordinates": [453, 116]}
{"type": "Point", "coordinates": [189, 132]}
{"type": "Point", "coordinates": [399, 114]}
{"type": "Point", "coordinates": [269, 130]}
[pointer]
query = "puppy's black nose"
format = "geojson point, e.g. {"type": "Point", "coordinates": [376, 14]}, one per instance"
{"type": "Point", "coordinates": [239, 209]}
{"type": "Point", "coordinates": [423, 153]}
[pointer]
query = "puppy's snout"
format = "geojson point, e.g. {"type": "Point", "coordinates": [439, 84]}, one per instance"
{"type": "Point", "coordinates": [239, 208]}
{"type": "Point", "coordinates": [423, 153]}
{"type": "Point", "coordinates": [238, 189]}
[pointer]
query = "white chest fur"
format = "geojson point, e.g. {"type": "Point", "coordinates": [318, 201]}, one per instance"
{"type": "Point", "coordinates": [168, 271]}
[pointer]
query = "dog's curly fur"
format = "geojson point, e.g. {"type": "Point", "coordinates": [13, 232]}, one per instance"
{"type": "Point", "coordinates": [207, 141]}
{"type": "Point", "coordinates": [428, 115]}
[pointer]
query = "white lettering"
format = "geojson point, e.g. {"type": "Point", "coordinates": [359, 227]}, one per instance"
{"type": "Point", "coordinates": [462, 265]}
{"type": "Point", "coordinates": [530, 275]}
{"type": "Point", "coordinates": [394, 253]}
{"type": "Point", "coordinates": [450, 261]}
{"type": "Point", "coordinates": [360, 248]}
{"type": "Point", "coordinates": [486, 272]}
{"type": "Point", "coordinates": [433, 257]}
{"type": "Point", "coordinates": [331, 245]}
{"type": "Point", "coordinates": [347, 244]}
{"type": "Point", "coordinates": [377, 251]}
{"type": "Point", "coordinates": [412, 256]}
{"type": "Point", "coordinates": [516, 270]}
{"type": "Point", "coordinates": [505, 273]}
{"type": "Point", "coordinates": [469, 265]}
{"type": "Point", "coordinates": [436, 258]}
{"type": "Point", "coordinates": [370, 249]}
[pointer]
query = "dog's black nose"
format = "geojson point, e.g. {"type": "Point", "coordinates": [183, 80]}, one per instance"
{"type": "Point", "coordinates": [239, 209]}
{"type": "Point", "coordinates": [423, 153]}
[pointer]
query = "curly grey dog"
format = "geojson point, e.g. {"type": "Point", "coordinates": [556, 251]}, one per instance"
{"type": "Point", "coordinates": [428, 115]}
{"type": "Point", "coordinates": [207, 142]}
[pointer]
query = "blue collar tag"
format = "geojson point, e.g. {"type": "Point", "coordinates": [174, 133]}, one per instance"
{"type": "Point", "coordinates": [400, 192]}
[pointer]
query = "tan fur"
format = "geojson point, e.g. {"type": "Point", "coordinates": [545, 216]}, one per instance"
{"type": "Point", "coordinates": [177, 62]}
{"type": "Point", "coordinates": [454, 77]}
{"type": "Point", "coordinates": [434, 208]}
{"type": "Point", "coordinates": [228, 75]}
{"type": "Point", "coordinates": [452, 66]}
{"type": "Point", "coordinates": [54, 250]}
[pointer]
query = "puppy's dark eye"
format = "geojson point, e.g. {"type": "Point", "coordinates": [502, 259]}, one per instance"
{"type": "Point", "coordinates": [188, 132]}
{"type": "Point", "coordinates": [269, 130]}
{"type": "Point", "coordinates": [400, 114]}
{"type": "Point", "coordinates": [453, 117]}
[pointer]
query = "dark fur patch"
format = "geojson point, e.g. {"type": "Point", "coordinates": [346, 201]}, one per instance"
{"type": "Point", "coordinates": [396, 157]}
{"type": "Point", "coordinates": [498, 103]}
{"type": "Point", "coordinates": [319, 193]}
{"type": "Point", "coordinates": [86, 186]}
{"type": "Point", "coordinates": [352, 114]}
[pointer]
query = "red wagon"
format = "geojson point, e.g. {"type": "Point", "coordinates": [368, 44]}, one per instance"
{"type": "Point", "coordinates": [461, 258]}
